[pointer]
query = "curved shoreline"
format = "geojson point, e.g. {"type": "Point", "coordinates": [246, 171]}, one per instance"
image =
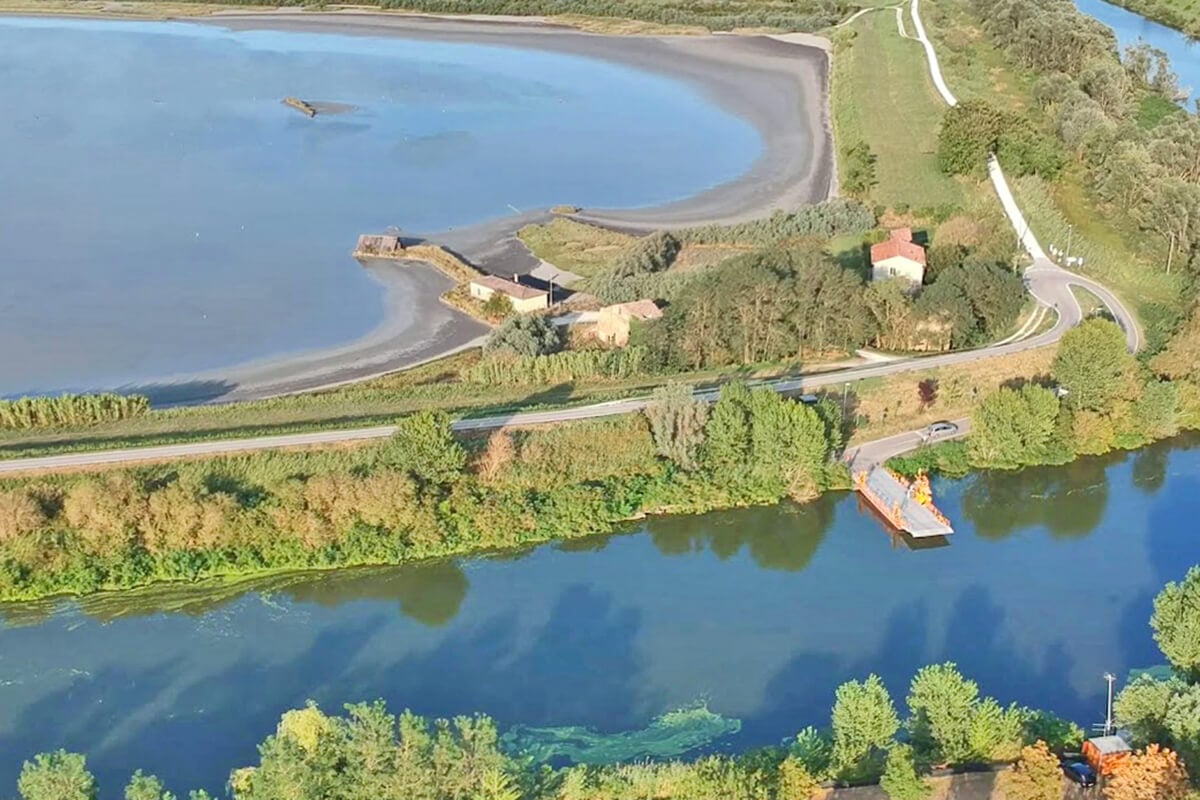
{"type": "Point", "coordinates": [777, 84]}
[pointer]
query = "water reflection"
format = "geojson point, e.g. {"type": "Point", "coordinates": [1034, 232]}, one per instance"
{"type": "Point", "coordinates": [760, 613]}
{"type": "Point", "coordinates": [430, 593]}
{"type": "Point", "coordinates": [1070, 501]}
{"type": "Point", "coordinates": [778, 538]}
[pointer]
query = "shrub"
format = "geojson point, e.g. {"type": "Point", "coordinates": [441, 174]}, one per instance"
{"type": "Point", "coordinates": [70, 410]}
{"type": "Point", "coordinates": [525, 335]}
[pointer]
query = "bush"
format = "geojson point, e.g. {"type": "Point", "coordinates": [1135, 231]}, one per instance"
{"type": "Point", "coordinates": [558, 368]}
{"type": "Point", "coordinates": [525, 335]}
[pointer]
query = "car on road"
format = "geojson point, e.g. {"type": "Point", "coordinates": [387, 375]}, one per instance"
{"type": "Point", "coordinates": [939, 430]}
{"type": "Point", "coordinates": [1080, 773]}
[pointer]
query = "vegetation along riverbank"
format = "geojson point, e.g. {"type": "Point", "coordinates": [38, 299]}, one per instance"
{"type": "Point", "coordinates": [945, 725]}
{"type": "Point", "coordinates": [425, 493]}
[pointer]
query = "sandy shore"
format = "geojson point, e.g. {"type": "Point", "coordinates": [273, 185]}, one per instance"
{"type": "Point", "coordinates": [778, 84]}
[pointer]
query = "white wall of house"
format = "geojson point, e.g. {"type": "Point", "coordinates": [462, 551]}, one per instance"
{"type": "Point", "coordinates": [898, 267]}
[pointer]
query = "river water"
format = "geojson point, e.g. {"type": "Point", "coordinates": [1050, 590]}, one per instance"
{"type": "Point", "coordinates": [759, 613]}
{"type": "Point", "coordinates": [163, 214]}
{"type": "Point", "coordinates": [1130, 28]}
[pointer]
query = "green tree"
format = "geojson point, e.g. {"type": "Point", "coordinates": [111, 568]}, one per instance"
{"type": "Point", "coordinates": [1093, 364]}
{"type": "Point", "coordinates": [677, 423]}
{"type": "Point", "coordinates": [900, 780]}
{"type": "Point", "coordinates": [727, 433]}
{"type": "Point", "coordinates": [789, 445]}
{"type": "Point", "coordinates": [56, 776]}
{"type": "Point", "coordinates": [146, 787]}
{"type": "Point", "coordinates": [1183, 725]}
{"type": "Point", "coordinates": [1056, 732]}
{"type": "Point", "coordinates": [525, 335]}
{"type": "Point", "coordinates": [424, 446]}
{"type": "Point", "coordinates": [858, 169]}
{"type": "Point", "coordinates": [795, 781]}
{"type": "Point", "coordinates": [498, 306]}
{"type": "Point", "coordinates": [864, 726]}
{"type": "Point", "coordinates": [1176, 623]}
{"type": "Point", "coordinates": [1035, 776]}
{"type": "Point", "coordinates": [1011, 428]}
{"type": "Point", "coordinates": [970, 132]}
{"type": "Point", "coordinates": [941, 704]}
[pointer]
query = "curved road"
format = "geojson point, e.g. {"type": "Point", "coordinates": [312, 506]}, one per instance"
{"type": "Point", "coordinates": [1049, 284]}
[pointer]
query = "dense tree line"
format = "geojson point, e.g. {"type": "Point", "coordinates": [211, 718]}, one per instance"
{"type": "Point", "coordinates": [1166, 710]}
{"type": "Point", "coordinates": [369, 752]}
{"type": "Point", "coordinates": [1098, 398]}
{"type": "Point", "coordinates": [798, 303]}
{"type": "Point", "coordinates": [421, 494]}
{"type": "Point", "coordinates": [1145, 169]}
{"type": "Point", "coordinates": [823, 220]}
{"type": "Point", "coordinates": [70, 410]}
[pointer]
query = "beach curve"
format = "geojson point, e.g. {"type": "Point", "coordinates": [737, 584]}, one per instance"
{"type": "Point", "coordinates": [779, 84]}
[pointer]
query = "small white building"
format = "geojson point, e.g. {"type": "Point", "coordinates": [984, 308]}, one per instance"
{"type": "Point", "coordinates": [898, 257]}
{"type": "Point", "coordinates": [523, 298]}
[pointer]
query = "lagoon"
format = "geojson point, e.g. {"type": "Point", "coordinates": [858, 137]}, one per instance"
{"type": "Point", "coordinates": [758, 614]}
{"type": "Point", "coordinates": [163, 215]}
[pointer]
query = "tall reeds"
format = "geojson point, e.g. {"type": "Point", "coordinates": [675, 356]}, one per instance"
{"type": "Point", "coordinates": [70, 410]}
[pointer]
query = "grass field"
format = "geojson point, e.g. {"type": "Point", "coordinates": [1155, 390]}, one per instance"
{"type": "Point", "coordinates": [573, 246]}
{"type": "Point", "coordinates": [1122, 260]}
{"type": "Point", "coordinates": [883, 95]}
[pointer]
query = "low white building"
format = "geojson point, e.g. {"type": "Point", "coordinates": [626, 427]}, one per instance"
{"type": "Point", "coordinates": [898, 257]}
{"type": "Point", "coordinates": [523, 298]}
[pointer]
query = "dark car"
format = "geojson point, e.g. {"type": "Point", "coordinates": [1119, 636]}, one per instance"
{"type": "Point", "coordinates": [1079, 772]}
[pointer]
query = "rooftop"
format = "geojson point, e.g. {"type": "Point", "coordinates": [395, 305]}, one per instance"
{"type": "Point", "coordinates": [900, 243]}
{"type": "Point", "coordinates": [510, 288]}
{"type": "Point", "coordinates": [1110, 745]}
{"type": "Point", "coordinates": [637, 309]}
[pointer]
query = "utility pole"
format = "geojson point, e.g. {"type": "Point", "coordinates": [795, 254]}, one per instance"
{"type": "Point", "coordinates": [1070, 237]}
{"type": "Point", "coordinates": [1171, 252]}
{"type": "Point", "coordinates": [1109, 725]}
{"type": "Point", "coordinates": [845, 394]}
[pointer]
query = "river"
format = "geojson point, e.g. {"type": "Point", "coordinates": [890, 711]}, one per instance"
{"type": "Point", "coordinates": [758, 613]}
{"type": "Point", "coordinates": [1131, 27]}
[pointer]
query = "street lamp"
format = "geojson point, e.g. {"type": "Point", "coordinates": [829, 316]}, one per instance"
{"type": "Point", "coordinates": [1108, 719]}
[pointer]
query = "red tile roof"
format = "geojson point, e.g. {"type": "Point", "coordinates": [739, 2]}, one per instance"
{"type": "Point", "coordinates": [900, 244]}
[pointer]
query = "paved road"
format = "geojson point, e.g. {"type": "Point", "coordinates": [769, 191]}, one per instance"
{"type": "Point", "coordinates": [878, 451]}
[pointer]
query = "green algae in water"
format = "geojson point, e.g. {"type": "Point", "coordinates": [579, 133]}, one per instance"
{"type": "Point", "coordinates": [668, 736]}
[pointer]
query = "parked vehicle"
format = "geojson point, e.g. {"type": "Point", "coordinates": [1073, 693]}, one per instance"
{"type": "Point", "coordinates": [940, 430]}
{"type": "Point", "coordinates": [1080, 773]}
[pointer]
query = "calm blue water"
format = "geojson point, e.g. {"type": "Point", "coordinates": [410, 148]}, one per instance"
{"type": "Point", "coordinates": [162, 213]}
{"type": "Point", "coordinates": [1047, 585]}
{"type": "Point", "coordinates": [1130, 27]}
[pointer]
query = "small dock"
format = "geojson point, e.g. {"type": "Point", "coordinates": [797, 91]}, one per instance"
{"type": "Point", "coordinates": [379, 246]}
{"type": "Point", "coordinates": [907, 505]}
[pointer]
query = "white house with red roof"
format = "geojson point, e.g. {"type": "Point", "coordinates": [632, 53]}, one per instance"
{"type": "Point", "coordinates": [898, 257]}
